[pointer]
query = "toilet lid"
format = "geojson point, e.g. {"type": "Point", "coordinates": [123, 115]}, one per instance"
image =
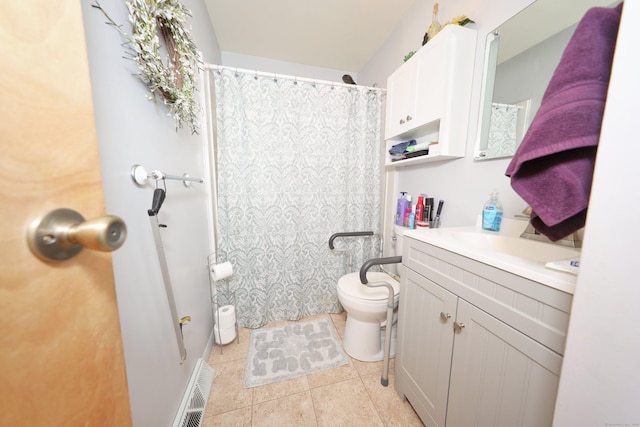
{"type": "Point", "coordinates": [350, 285]}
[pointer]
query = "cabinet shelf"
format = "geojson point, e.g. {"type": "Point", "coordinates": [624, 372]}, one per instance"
{"type": "Point", "coordinates": [435, 155]}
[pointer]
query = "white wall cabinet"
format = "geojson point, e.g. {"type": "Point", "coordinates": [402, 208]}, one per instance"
{"type": "Point", "coordinates": [477, 346]}
{"type": "Point", "coordinates": [428, 97]}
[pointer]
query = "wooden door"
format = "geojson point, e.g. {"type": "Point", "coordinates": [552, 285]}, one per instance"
{"type": "Point", "coordinates": [61, 359]}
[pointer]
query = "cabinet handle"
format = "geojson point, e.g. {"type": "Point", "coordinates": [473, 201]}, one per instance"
{"type": "Point", "coordinates": [458, 327]}
{"type": "Point", "coordinates": [401, 121]}
{"type": "Point", "coordinates": [409, 118]}
{"type": "Point", "coordinates": [445, 316]}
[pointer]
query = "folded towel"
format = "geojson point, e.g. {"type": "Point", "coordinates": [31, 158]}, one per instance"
{"type": "Point", "coordinates": [418, 147]}
{"type": "Point", "coordinates": [401, 147]}
{"type": "Point", "coordinates": [552, 169]}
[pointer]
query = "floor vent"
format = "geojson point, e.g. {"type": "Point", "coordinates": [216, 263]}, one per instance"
{"type": "Point", "coordinates": [194, 402]}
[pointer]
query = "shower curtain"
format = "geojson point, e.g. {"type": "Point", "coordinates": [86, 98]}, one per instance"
{"type": "Point", "coordinates": [502, 130]}
{"type": "Point", "coordinates": [296, 162]}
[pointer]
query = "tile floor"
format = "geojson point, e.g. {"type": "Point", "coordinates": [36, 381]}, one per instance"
{"type": "Point", "coordinates": [350, 395]}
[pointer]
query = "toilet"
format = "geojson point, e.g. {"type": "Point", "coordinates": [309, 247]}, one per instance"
{"type": "Point", "coordinates": [366, 309]}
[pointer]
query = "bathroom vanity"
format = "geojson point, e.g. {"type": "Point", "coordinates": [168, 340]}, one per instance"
{"type": "Point", "coordinates": [482, 326]}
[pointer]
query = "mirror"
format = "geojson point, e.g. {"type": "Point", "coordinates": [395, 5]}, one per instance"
{"type": "Point", "coordinates": [520, 58]}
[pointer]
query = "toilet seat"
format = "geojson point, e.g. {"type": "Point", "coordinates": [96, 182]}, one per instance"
{"type": "Point", "coordinates": [351, 286]}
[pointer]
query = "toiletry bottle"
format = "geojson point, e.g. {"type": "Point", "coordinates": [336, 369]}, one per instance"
{"type": "Point", "coordinates": [428, 215]}
{"type": "Point", "coordinates": [402, 206]}
{"type": "Point", "coordinates": [407, 211]}
{"type": "Point", "coordinates": [492, 213]}
{"type": "Point", "coordinates": [420, 208]}
{"type": "Point", "coordinates": [412, 220]}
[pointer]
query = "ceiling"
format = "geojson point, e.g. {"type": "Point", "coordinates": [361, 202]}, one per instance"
{"type": "Point", "coordinates": [337, 34]}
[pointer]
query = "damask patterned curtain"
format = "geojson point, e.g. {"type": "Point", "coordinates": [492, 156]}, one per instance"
{"type": "Point", "coordinates": [502, 130]}
{"type": "Point", "coordinates": [296, 162]}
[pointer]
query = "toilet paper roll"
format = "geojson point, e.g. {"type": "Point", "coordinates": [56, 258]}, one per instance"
{"type": "Point", "coordinates": [221, 271]}
{"type": "Point", "coordinates": [224, 330]}
{"type": "Point", "coordinates": [224, 336]}
{"type": "Point", "coordinates": [226, 317]}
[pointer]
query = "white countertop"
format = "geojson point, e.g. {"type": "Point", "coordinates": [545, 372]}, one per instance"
{"type": "Point", "coordinates": [505, 250]}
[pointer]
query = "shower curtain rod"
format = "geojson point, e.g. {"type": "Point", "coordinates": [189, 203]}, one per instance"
{"type": "Point", "coordinates": [497, 104]}
{"type": "Point", "coordinates": [287, 77]}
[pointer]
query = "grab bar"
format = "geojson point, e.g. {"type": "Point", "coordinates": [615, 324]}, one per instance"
{"type": "Point", "coordinates": [376, 261]}
{"type": "Point", "coordinates": [384, 379]}
{"type": "Point", "coordinates": [348, 234]}
{"type": "Point", "coordinates": [351, 234]}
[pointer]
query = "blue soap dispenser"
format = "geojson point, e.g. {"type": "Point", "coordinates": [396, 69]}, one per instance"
{"type": "Point", "coordinates": [492, 213]}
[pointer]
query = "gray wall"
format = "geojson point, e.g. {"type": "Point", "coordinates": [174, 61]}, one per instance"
{"type": "Point", "coordinates": [132, 130]}
{"type": "Point", "coordinates": [267, 65]}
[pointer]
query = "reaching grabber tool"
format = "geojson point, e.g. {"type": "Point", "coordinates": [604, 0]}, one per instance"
{"type": "Point", "coordinates": [159, 195]}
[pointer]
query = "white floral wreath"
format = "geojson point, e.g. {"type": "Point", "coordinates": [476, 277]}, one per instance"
{"type": "Point", "coordinates": [175, 81]}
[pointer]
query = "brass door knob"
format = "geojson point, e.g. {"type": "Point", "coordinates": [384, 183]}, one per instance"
{"type": "Point", "coordinates": [62, 233]}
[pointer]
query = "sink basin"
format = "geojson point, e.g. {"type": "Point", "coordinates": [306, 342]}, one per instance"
{"type": "Point", "coordinates": [514, 246]}
{"type": "Point", "coordinates": [542, 262]}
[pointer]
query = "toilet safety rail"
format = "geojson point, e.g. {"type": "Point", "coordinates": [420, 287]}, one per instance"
{"type": "Point", "coordinates": [384, 380]}
{"type": "Point", "coordinates": [352, 234]}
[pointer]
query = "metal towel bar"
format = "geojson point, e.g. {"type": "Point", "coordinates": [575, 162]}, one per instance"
{"type": "Point", "coordinates": [139, 175]}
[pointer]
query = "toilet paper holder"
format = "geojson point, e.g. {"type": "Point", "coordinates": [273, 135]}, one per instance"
{"type": "Point", "coordinates": [221, 271]}
{"type": "Point", "coordinates": [217, 272]}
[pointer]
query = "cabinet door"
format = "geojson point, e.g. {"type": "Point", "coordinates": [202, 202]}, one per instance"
{"type": "Point", "coordinates": [432, 81]}
{"type": "Point", "coordinates": [500, 377]}
{"type": "Point", "coordinates": [401, 99]}
{"type": "Point", "coordinates": [425, 343]}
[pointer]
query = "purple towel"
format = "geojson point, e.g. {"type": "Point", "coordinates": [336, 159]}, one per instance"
{"type": "Point", "coordinates": [552, 169]}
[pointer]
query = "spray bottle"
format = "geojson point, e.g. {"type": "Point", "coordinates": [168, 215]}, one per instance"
{"type": "Point", "coordinates": [401, 208]}
{"type": "Point", "coordinates": [420, 208]}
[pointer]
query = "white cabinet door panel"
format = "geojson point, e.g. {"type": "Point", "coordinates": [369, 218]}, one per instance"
{"type": "Point", "coordinates": [500, 377]}
{"type": "Point", "coordinates": [432, 81]}
{"type": "Point", "coordinates": [401, 99]}
{"type": "Point", "coordinates": [425, 347]}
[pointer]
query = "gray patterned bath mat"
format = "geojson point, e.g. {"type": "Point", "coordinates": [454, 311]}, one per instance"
{"type": "Point", "coordinates": [291, 351]}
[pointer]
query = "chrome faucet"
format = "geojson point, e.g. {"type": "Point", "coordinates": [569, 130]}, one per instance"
{"type": "Point", "coordinates": [574, 240]}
